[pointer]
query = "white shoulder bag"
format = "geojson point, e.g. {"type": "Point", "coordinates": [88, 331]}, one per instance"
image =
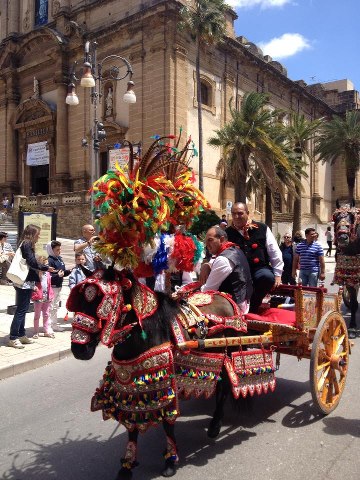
{"type": "Point", "coordinates": [18, 269]}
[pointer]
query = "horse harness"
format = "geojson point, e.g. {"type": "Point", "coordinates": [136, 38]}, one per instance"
{"type": "Point", "coordinates": [144, 391]}
{"type": "Point", "coordinates": [347, 268]}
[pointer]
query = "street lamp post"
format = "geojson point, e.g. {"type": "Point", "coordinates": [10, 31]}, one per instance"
{"type": "Point", "coordinates": [92, 77]}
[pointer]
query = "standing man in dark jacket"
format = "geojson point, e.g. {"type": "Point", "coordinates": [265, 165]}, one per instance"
{"type": "Point", "coordinates": [287, 250]}
{"type": "Point", "coordinates": [261, 250]}
{"type": "Point", "coordinates": [229, 272]}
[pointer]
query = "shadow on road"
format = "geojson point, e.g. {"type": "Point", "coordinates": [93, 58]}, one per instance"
{"type": "Point", "coordinates": [342, 426]}
{"type": "Point", "coordinates": [94, 458]}
{"type": "Point", "coordinates": [302, 415]}
{"type": "Point", "coordinates": [68, 458]}
{"type": "Point", "coordinates": [97, 457]}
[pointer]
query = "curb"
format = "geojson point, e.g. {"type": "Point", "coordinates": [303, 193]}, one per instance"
{"type": "Point", "coordinates": [14, 368]}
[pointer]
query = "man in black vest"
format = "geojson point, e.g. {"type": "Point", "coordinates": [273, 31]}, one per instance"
{"type": "Point", "coordinates": [229, 272]}
{"type": "Point", "coordinates": [261, 250]}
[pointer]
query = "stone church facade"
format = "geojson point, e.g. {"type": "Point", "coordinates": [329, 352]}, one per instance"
{"type": "Point", "coordinates": [41, 40]}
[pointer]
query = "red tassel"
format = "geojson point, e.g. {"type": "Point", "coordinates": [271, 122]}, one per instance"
{"type": "Point", "coordinates": [66, 318]}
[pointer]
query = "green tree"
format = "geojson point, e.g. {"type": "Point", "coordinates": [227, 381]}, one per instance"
{"type": "Point", "coordinates": [248, 140]}
{"type": "Point", "coordinates": [284, 175]}
{"type": "Point", "coordinates": [205, 21]}
{"type": "Point", "coordinates": [340, 139]}
{"type": "Point", "coordinates": [206, 220]}
{"type": "Point", "coordinates": [299, 133]}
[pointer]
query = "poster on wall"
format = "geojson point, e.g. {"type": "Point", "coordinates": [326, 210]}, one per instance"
{"type": "Point", "coordinates": [37, 154]}
{"type": "Point", "coordinates": [121, 156]}
{"type": "Point", "coordinates": [43, 221]}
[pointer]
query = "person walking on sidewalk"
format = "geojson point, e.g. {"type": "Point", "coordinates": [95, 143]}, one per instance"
{"type": "Point", "coordinates": [27, 243]}
{"type": "Point", "coordinates": [55, 260]}
{"type": "Point", "coordinates": [329, 240]}
{"type": "Point", "coordinates": [42, 296]}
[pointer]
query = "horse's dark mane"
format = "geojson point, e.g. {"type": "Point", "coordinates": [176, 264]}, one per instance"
{"type": "Point", "coordinates": [155, 330]}
{"type": "Point", "coordinates": [167, 310]}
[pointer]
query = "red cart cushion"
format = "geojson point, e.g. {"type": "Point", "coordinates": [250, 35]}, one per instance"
{"type": "Point", "coordinates": [274, 315]}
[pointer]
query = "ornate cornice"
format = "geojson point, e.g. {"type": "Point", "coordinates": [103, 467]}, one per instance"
{"type": "Point", "coordinates": [181, 51]}
{"type": "Point", "coordinates": [235, 46]}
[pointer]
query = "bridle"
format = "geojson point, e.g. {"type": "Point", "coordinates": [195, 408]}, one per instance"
{"type": "Point", "coordinates": [346, 222]}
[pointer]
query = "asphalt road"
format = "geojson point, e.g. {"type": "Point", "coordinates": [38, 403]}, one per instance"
{"type": "Point", "coordinates": [48, 432]}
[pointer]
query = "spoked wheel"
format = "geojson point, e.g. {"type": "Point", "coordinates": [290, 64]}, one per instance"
{"type": "Point", "coordinates": [346, 295]}
{"type": "Point", "coordinates": [329, 362]}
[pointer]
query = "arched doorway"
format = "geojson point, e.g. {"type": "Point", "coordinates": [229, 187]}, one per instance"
{"type": "Point", "coordinates": [35, 123]}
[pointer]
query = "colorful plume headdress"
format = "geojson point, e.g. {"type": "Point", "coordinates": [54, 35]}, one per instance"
{"type": "Point", "coordinates": [152, 196]}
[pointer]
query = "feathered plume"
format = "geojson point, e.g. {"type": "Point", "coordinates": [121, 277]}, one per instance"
{"type": "Point", "coordinates": [156, 192]}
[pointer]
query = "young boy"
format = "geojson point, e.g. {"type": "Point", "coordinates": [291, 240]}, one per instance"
{"type": "Point", "coordinates": [55, 260]}
{"type": "Point", "coordinates": [77, 275]}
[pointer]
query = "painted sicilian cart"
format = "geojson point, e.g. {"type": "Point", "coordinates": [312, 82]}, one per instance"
{"type": "Point", "coordinates": [165, 348]}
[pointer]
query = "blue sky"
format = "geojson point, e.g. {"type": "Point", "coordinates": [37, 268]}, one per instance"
{"type": "Point", "coordinates": [315, 40]}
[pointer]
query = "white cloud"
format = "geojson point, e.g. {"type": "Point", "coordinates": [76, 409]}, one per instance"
{"type": "Point", "coordinates": [285, 46]}
{"type": "Point", "coordinates": [256, 3]}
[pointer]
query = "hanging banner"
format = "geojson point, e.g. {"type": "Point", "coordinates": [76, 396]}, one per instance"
{"type": "Point", "coordinates": [37, 154]}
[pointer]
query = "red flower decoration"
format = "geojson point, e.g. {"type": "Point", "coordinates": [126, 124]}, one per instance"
{"type": "Point", "coordinates": [254, 245]}
{"type": "Point", "coordinates": [256, 260]}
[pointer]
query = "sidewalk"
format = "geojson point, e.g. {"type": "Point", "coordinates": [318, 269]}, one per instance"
{"type": "Point", "coordinates": [44, 350]}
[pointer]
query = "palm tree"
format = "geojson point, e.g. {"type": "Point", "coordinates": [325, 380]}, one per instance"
{"type": "Point", "coordinates": [205, 21]}
{"type": "Point", "coordinates": [249, 138]}
{"type": "Point", "coordinates": [298, 133]}
{"type": "Point", "coordinates": [340, 139]}
{"type": "Point", "coordinates": [284, 177]}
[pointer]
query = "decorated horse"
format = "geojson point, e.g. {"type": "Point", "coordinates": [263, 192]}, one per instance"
{"type": "Point", "coordinates": [150, 369]}
{"type": "Point", "coordinates": [347, 270]}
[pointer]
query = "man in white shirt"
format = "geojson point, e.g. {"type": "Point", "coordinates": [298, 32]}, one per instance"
{"type": "Point", "coordinates": [229, 271]}
{"type": "Point", "coordinates": [258, 243]}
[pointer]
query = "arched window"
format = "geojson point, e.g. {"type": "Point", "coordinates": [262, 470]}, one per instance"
{"type": "Point", "coordinates": [205, 90]}
{"type": "Point", "coordinates": [41, 12]}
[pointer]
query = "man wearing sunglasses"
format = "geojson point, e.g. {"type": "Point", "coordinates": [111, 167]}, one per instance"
{"type": "Point", "coordinates": [287, 250]}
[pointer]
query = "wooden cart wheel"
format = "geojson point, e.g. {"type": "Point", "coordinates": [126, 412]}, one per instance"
{"type": "Point", "coordinates": [329, 362]}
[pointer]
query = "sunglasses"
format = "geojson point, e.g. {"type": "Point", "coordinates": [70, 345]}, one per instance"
{"type": "Point", "coordinates": [286, 236]}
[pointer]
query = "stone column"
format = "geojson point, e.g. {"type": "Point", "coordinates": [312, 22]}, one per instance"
{"type": "Point", "coordinates": [12, 162]}
{"type": "Point", "coordinates": [62, 157]}
{"type": "Point", "coordinates": [60, 171]}
{"type": "Point", "coordinates": [178, 91]}
{"type": "Point", "coordinates": [13, 15]}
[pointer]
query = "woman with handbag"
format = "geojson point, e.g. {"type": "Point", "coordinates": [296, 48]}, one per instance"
{"type": "Point", "coordinates": [27, 243]}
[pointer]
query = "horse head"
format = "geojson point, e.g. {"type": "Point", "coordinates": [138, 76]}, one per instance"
{"type": "Point", "coordinates": [113, 308]}
{"type": "Point", "coordinates": [346, 224]}
{"type": "Point", "coordinates": [98, 302]}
